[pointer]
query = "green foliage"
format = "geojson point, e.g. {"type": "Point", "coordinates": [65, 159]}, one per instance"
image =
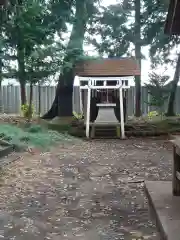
{"type": "Point", "coordinates": [30, 29]}
{"type": "Point", "coordinates": [44, 61]}
{"type": "Point", "coordinates": [158, 90]}
{"type": "Point", "coordinates": [34, 129]}
{"type": "Point", "coordinates": [84, 9]}
{"type": "Point", "coordinates": [116, 26]}
{"type": "Point", "coordinates": [161, 45]}
{"type": "Point", "coordinates": [111, 24]}
{"type": "Point", "coordinates": [153, 114]}
{"type": "Point", "coordinates": [35, 136]}
{"type": "Point", "coordinates": [27, 111]}
{"type": "Point", "coordinates": [28, 33]}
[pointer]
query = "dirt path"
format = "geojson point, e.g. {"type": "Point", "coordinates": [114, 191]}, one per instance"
{"type": "Point", "coordinates": [83, 191]}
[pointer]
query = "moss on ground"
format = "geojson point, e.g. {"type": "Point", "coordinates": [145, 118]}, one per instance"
{"type": "Point", "coordinates": [32, 135]}
{"type": "Point", "coordinates": [60, 124]}
{"type": "Point", "coordinates": [43, 133]}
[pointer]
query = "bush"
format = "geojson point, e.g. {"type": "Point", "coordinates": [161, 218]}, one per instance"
{"type": "Point", "coordinates": [34, 129]}
{"type": "Point", "coordinates": [26, 111]}
{"type": "Point", "coordinates": [158, 90]}
{"type": "Point", "coordinates": [153, 114]}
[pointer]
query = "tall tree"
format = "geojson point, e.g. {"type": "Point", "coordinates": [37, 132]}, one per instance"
{"type": "Point", "coordinates": [22, 33]}
{"type": "Point", "coordinates": [2, 46]}
{"type": "Point", "coordinates": [31, 24]}
{"type": "Point", "coordinates": [146, 30]}
{"type": "Point", "coordinates": [161, 45]}
{"type": "Point", "coordinates": [138, 44]}
{"type": "Point", "coordinates": [174, 84]}
{"type": "Point", "coordinates": [119, 27]}
{"type": "Point", "coordinates": [113, 34]}
{"type": "Point", "coordinates": [62, 104]}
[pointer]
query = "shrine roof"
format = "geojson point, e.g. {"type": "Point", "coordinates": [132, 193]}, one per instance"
{"type": "Point", "coordinates": [108, 67]}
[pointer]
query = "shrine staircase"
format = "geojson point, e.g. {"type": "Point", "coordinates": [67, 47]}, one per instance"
{"type": "Point", "coordinates": [105, 131]}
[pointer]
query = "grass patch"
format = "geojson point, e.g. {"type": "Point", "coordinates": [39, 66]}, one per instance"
{"type": "Point", "coordinates": [32, 135]}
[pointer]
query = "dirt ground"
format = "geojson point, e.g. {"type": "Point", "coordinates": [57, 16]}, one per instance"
{"type": "Point", "coordinates": [83, 191]}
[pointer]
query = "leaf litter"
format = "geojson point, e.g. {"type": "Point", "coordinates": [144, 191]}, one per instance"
{"type": "Point", "coordinates": [75, 191]}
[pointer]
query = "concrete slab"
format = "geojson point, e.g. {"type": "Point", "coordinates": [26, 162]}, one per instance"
{"type": "Point", "coordinates": [166, 208]}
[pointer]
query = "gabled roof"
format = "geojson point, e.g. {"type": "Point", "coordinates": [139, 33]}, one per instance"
{"type": "Point", "coordinates": [172, 25]}
{"type": "Point", "coordinates": [108, 67]}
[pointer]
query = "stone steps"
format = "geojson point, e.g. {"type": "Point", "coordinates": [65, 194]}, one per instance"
{"type": "Point", "coordinates": [105, 132]}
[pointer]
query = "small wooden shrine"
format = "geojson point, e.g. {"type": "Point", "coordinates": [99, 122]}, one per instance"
{"type": "Point", "coordinates": [100, 88]}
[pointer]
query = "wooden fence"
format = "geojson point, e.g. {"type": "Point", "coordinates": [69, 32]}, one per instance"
{"type": "Point", "coordinates": [11, 99]}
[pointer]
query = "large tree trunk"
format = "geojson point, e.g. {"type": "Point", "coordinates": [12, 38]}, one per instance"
{"type": "Point", "coordinates": [170, 110]}
{"type": "Point", "coordinates": [1, 79]}
{"type": "Point", "coordinates": [30, 103]}
{"type": "Point", "coordinates": [21, 73]}
{"type": "Point", "coordinates": [39, 99]}
{"type": "Point", "coordinates": [23, 92]}
{"type": "Point", "coordinates": [62, 104]}
{"type": "Point", "coordinates": [2, 22]}
{"type": "Point", "coordinates": [20, 58]}
{"type": "Point", "coordinates": [1, 72]}
{"type": "Point", "coordinates": [138, 56]}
